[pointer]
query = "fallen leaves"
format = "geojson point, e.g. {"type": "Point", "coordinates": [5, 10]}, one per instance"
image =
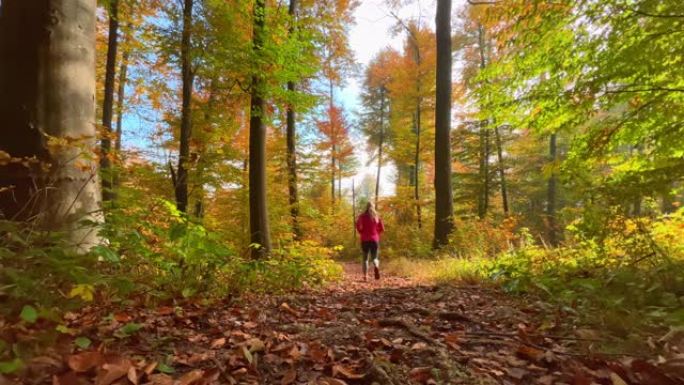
{"type": "Point", "coordinates": [355, 333]}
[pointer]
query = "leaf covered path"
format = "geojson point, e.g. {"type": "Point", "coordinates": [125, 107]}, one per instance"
{"type": "Point", "coordinates": [394, 331]}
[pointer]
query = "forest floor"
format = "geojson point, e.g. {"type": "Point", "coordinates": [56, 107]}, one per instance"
{"type": "Point", "coordinates": [388, 332]}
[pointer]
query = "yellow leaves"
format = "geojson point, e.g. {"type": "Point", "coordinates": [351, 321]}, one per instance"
{"type": "Point", "coordinates": [84, 291]}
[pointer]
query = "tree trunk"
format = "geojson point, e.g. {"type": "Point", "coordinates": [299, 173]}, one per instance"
{"type": "Point", "coordinates": [47, 90]}
{"type": "Point", "coordinates": [483, 201]}
{"type": "Point", "coordinates": [258, 209]}
{"type": "Point", "coordinates": [291, 137]}
{"type": "Point", "coordinates": [552, 192]}
{"type": "Point", "coordinates": [380, 144]}
{"type": "Point", "coordinates": [502, 171]}
{"type": "Point", "coordinates": [416, 161]}
{"type": "Point", "coordinates": [120, 101]}
{"type": "Point", "coordinates": [108, 104]}
{"type": "Point", "coordinates": [482, 195]}
{"type": "Point", "coordinates": [332, 151]}
{"type": "Point", "coordinates": [181, 187]}
{"type": "Point", "coordinates": [443, 189]}
{"type": "Point", "coordinates": [339, 182]}
{"type": "Point", "coordinates": [354, 209]}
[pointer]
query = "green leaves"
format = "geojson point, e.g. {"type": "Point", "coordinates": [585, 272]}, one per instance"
{"type": "Point", "coordinates": [128, 330]}
{"type": "Point", "coordinates": [29, 314]}
{"type": "Point", "coordinates": [83, 342]}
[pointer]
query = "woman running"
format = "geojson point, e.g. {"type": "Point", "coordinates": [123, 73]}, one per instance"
{"type": "Point", "coordinates": [370, 226]}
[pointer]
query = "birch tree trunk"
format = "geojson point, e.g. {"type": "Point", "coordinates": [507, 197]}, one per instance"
{"type": "Point", "coordinates": [47, 111]}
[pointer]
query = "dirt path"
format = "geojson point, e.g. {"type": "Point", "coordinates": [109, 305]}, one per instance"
{"type": "Point", "coordinates": [386, 332]}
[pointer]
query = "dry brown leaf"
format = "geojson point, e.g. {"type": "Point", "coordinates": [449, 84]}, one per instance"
{"type": "Point", "coordinates": [529, 353]}
{"type": "Point", "coordinates": [255, 345]}
{"type": "Point", "coordinates": [133, 375]}
{"type": "Point", "coordinates": [114, 369]}
{"type": "Point", "coordinates": [331, 381]}
{"type": "Point", "coordinates": [191, 377]}
{"type": "Point", "coordinates": [218, 343]}
{"type": "Point", "coordinates": [346, 373]}
{"type": "Point", "coordinates": [123, 317]}
{"type": "Point", "coordinates": [617, 380]}
{"type": "Point", "coordinates": [69, 378]}
{"type": "Point", "coordinates": [421, 375]}
{"type": "Point", "coordinates": [85, 361]}
{"type": "Point", "coordinates": [284, 306]}
{"type": "Point", "coordinates": [165, 310]}
{"type": "Point", "coordinates": [289, 377]}
{"type": "Point", "coordinates": [419, 346]}
{"type": "Point", "coordinates": [160, 379]}
{"type": "Point", "coordinates": [150, 368]}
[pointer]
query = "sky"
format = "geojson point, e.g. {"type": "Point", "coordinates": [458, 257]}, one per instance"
{"type": "Point", "coordinates": [371, 33]}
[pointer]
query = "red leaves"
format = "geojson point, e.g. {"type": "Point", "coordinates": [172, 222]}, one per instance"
{"type": "Point", "coordinates": [346, 373]}
{"type": "Point", "coordinates": [421, 375]}
{"type": "Point", "coordinates": [85, 361]}
{"type": "Point", "coordinates": [334, 339]}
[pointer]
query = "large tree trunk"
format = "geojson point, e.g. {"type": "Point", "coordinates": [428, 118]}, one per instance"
{"type": "Point", "coordinates": [258, 211]}
{"type": "Point", "coordinates": [108, 104]}
{"type": "Point", "coordinates": [380, 144]}
{"type": "Point", "coordinates": [443, 189]}
{"type": "Point", "coordinates": [552, 192]}
{"type": "Point", "coordinates": [502, 170]}
{"type": "Point", "coordinates": [291, 137]}
{"type": "Point", "coordinates": [47, 90]}
{"type": "Point", "coordinates": [181, 185]}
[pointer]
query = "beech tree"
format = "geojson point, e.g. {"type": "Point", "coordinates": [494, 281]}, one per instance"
{"type": "Point", "coordinates": [258, 211]}
{"type": "Point", "coordinates": [47, 109]}
{"type": "Point", "coordinates": [443, 190]}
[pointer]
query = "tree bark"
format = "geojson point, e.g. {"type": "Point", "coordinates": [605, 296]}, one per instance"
{"type": "Point", "coordinates": [502, 170]}
{"type": "Point", "coordinates": [443, 189]}
{"type": "Point", "coordinates": [333, 150]}
{"type": "Point", "coordinates": [120, 100]}
{"type": "Point", "coordinates": [291, 138]}
{"type": "Point", "coordinates": [552, 192]}
{"type": "Point", "coordinates": [380, 144]}
{"type": "Point", "coordinates": [354, 209]}
{"type": "Point", "coordinates": [47, 90]}
{"type": "Point", "coordinates": [108, 103]}
{"type": "Point", "coordinates": [181, 187]}
{"type": "Point", "coordinates": [483, 201]}
{"type": "Point", "coordinates": [258, 209]}
{"type": "Point", "coordinates": [418, 127]}
{"type": "Point", "coordinates": [416, 182]}
{"type": "Point", "coordinates": [484, 178]}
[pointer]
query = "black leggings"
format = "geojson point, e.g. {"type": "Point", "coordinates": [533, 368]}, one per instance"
{"type": "Point", "coordinates": [370, 249]}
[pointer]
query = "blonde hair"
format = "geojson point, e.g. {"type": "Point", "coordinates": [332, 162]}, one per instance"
{"type": "Point", "coordinates": [370, 210]}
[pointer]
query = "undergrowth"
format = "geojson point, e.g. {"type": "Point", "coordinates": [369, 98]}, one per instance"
{"type": "Point", "coordinates": [152, 256]}
{"type": "Point", "coordinates": [627, 282]}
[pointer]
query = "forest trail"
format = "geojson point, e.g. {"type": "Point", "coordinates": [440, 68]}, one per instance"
{"type": "Point", "coordinates": [392, 331]}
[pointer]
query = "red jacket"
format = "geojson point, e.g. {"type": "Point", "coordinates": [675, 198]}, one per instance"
{"type": "Point", "coordinates": [369, 228]}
